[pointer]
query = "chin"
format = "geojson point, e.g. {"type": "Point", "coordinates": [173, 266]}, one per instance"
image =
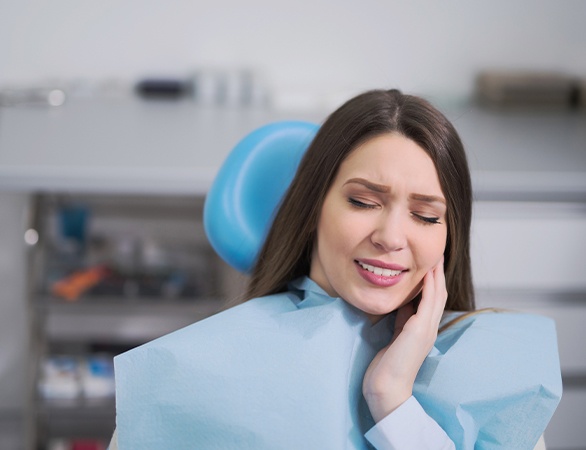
{"type": "Point", "coordinates": [376, 301]}
{"type": "Point", "coordinates": [380, 309]}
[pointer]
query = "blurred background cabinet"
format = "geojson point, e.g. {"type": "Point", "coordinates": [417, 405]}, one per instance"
{"type": "Point", "coordinates": [107, 273]}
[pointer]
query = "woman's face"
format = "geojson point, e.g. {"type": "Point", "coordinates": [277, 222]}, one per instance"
{"type": "Point", "coordinates": [382, 226]}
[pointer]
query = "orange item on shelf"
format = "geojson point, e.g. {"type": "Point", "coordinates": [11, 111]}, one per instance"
{"type": "Point", "coordinates": [71, 287]}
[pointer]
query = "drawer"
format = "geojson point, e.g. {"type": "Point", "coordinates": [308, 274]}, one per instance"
{"type": "Point", "coordinates": [522, 245]}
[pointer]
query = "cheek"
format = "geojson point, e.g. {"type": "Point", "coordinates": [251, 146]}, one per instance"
{"type": "Point", "coordinates": [332, 239]}
{"type": "Point", "coordinates": [431, 249]}
{"type": "Point", "coordinates": [327, 241]}
{"type": "Point", "coordinates": [336, 229]}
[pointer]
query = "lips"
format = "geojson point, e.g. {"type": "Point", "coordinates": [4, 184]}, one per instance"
{"type": "Point", "coordinates": [379, 270]}
{"type": "Point", "coordinates": [369, 264]}
{"type": "Point", "coordinates": [379, 273]}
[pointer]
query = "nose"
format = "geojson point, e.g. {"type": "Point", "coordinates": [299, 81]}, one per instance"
{"type": "Point", "coordinates": [390, 232]}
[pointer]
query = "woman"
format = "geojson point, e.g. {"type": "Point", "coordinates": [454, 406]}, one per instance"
{"type": "Point", "coordinates": [367, 254]}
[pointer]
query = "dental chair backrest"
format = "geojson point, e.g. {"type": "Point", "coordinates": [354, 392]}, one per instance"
{"type": "Point", "coordinates": [248, 189]}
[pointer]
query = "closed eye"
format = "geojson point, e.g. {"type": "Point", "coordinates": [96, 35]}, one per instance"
{"type": "Point", "coordinates": [359, 204]}
{"type": "Point", "coordinates": [425, 219]}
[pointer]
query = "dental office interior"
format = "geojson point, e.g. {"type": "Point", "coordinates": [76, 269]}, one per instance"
{"type": "Point", "coordinates": [116, 115]}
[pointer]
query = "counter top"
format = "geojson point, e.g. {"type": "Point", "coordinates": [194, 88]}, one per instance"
{"type": "Point", "coordinates": [177, 147]}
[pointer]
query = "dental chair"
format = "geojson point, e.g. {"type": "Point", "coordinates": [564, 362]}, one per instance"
{"type": "Point", "coordinates": [240, 205]}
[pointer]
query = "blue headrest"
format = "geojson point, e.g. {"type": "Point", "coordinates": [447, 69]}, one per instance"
{"type": "Point", "coordinates": [243, 199]}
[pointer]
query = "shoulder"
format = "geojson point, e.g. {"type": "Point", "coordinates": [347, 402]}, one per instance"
{"type": "Point", "coordinates": [254, 309]}
{"type": "Point", "coordinates": [499, 324]}
{"type": "Point", "coordinates": [502, 349]}
{"type": "Point", "coordinates": [499, 333]}
{"type": "Point", "coordinates": [224, 327]}
{"type": "Point", "coordinates": [490, 375]}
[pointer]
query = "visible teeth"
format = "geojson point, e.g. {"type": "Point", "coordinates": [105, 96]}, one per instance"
{"type": "Point", "coordinates": [380, 270]}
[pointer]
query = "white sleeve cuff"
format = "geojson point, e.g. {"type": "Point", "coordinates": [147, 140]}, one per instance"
{"type": "Point", "coordinates": [409, 427]}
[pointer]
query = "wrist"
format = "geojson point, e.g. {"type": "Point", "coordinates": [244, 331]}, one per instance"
{"type": "Point", "coordinates": [381, 405]}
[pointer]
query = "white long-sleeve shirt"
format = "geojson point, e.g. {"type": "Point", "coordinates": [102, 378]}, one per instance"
{"type": "Point", "coordinates": [409, 427]}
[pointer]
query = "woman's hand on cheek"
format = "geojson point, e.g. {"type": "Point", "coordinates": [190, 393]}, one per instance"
{"type": "Point", "coordinates": [389, 379]}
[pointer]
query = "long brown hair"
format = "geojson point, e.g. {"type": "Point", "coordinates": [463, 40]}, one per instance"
{"type": "Point", "coordinates": [286, 253]}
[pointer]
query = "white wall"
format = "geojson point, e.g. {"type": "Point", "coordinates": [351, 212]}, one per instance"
{"type": "Point", "coordinates": [326, 48]}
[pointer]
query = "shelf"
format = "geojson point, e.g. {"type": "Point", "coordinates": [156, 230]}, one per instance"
{"type": "Point", "coordinates": [80, 418]}
{"type": "Point", "coordinates": [70, 409]}
{"type": "Point", "coordinates": [121, 320]}
{"type": "Point", "coordinates": [156, 273]}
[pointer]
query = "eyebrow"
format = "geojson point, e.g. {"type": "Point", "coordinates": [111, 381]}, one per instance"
{"type": "Point", "coordinates": [371, 186]}
{"type": "Point", "coordinates": [381, 188]}
{"type": "Point", "coordinates": [428, 198]}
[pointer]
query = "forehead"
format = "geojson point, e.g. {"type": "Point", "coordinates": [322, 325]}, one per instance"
{"type": "Point", "coordinates": [391, 157]}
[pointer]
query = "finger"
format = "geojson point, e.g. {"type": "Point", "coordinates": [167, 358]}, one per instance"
{"type": "Point", "coordinates": [441, 293]}
{"type": "Point", "coordinates": [426, 304]}
{"type": "Point", "coordinates": [434, 295]}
